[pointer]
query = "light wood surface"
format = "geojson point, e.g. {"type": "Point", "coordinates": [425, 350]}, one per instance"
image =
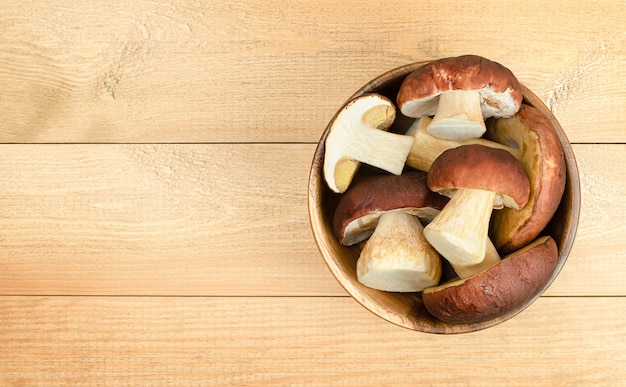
{"type": "Point", "coordinates": [153, 210]}
{"type": "Point", "coordinates": [294, 340]}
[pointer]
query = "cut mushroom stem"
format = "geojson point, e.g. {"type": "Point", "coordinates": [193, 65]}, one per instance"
{"type": "Point", "coordinates": [397, 258]}
{"type": "Point", "coordinates": [491, 258]}
{"type": "Point", "coordinates": [375, 147]}
{"type": "Point", "coordinates": [455, 235]}
{"type": "Point", "coordinates": [426, 147]}
{"type": "Point", "coordinates": [459, 116]}
{"type": "Point", "coordinates": [358, 135]}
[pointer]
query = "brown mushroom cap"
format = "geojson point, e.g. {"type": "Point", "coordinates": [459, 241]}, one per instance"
{"type": "Point", "coordinates": [481, 167]}
{"type": "Point", "coordinates": [541, 155]}
{"type": "Point", "coordinates": [360, 207]}
{"type": "Point", "coordinates": [500, 90]}
{"type": "Point", "coordinates": [499, 290]}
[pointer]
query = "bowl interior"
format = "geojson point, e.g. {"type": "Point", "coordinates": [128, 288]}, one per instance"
{"type": "Point", "coordinates": [407, 309]}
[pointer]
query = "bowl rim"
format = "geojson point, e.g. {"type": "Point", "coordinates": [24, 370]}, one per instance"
{"type": "Point", "coordinates": [317, 186]}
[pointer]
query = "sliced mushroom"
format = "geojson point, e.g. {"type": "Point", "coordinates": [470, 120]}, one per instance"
{"type": "Point", "coordinates": [542, 157]}
{"type": "Point", "coordinates": [461, 92]}
{"type": "Point", "coordinates": [360, 207]}
{"type": "Point", "coordinates": [426, 147]}
{"type": "Point", "coordinates": [386, 209]}
{"type": "Point", "coordinates": [358, 135]}
{"type": "Point", "coordinates": [478, 179]}
{"type": "Point", "coordinates": [499, 290]}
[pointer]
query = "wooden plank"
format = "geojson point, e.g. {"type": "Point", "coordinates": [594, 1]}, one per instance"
{"type": "Point", "coordinates": [109, 71]}
{"type": "Point", "coordinates": [293, 340]}
{"type": "Point", "coordinates": [598, 247]}
{"type": "Point", "coordinates": [170, 219]}
{"type": "Point", "coordinates": [208, 219]}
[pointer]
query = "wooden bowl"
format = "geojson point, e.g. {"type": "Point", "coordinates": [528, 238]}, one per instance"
{"type": "Point", "coordinates": [407, 309]}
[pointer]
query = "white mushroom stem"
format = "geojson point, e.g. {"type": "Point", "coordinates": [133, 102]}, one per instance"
{"type": "Point", "coordinates": [459, 116]}
{"type": "Point", "coordinates": [397, 258]}
{"type": "Point", "coordinates": [460, 230]}
{"type": "Point", "coordinates": [360, 143]}
{"type": "Point", "coordinates": [358, 135]}
{"type": "Point", "coordinates": [426, 148]}
{"type": "Point", "coordinates": [491, 258]}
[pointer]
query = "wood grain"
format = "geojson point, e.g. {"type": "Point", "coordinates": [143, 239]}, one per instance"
{"type": "Point", "coordinates": [219, 219]}
{"type": "Point", "coordinates": [212, 71]}
{"type": "Point", "coordinates": [286, 340]}
{"type": "Point", "coordinates": [140, 219]}
{"type": "Point", "coordinates": [155, 157]}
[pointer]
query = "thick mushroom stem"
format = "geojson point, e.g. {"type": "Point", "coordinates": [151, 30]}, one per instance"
{"type": "Point", "coordinates": [397, 258]}
{"type": "Point", "coordinates": [358, 135]}
{"type": "Point", "coordinates": [491, 258]}
{"type": "Point", "coordinates": [459, 116]}
{"type": "Point", "coordinates": [362, 144]}
{"type": "Point", "coordinates": [426, 147]}
{"type": "Point", "coordinates": [455, 235]}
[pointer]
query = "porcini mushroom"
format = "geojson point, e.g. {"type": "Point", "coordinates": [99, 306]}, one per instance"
{"type": "Point", "coordinates": [360, 207]}
{"type": "Point", "coordinates": [358, 135]}
{"type": "Point", "coordinates": [461, 92]}
{"type": "Point", "coordinates": [386, 209]}
{"type": "Point", "coordinates": [500, 290]}
{"type": "Point", "coordinates": [397, 258]}
{"type": "Point", "coordinates": [541, 155]}
{"type": "Point", "coordinates": [478, 179]}
{"type": "Point", "coordinates": [426, 147]}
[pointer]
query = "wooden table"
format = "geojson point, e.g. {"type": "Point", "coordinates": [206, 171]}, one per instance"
{"type": "Point", "coordinates": [153, 209]}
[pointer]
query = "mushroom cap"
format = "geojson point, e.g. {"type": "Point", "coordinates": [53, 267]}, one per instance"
{"type": "Point", "coordinates": [359, 208]}
{"type": "Point", "coordinates": [501, 92]}
{"type": "Point", "coordinates": [481, 167]}
{"type": "Point", "coordinates": [541, 154]}
{"type": "Point", "coordinates": [499, 290]}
